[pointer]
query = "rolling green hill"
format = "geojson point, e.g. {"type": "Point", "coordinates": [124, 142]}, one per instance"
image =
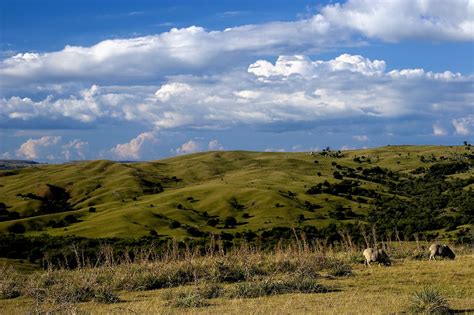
{"type": "Point", "coordinates": [188, 195]}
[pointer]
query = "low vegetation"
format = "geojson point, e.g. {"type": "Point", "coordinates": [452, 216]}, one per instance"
{"type": "Point", "coordinates": [210, 281]}
{"type": "Point", "coordinates": [429, 301]}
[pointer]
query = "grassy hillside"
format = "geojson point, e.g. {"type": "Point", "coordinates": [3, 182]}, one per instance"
{"type": "Point", "coordinates": [187, 195]}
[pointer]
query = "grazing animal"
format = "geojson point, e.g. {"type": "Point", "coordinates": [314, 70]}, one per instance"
{"type": "Point", "coordinates": [442, 251]}
{"type": "Point", "coordinates": [376, 255]}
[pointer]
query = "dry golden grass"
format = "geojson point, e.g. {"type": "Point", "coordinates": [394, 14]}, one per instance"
{"type": "Point", "coordinates": [375, 290]}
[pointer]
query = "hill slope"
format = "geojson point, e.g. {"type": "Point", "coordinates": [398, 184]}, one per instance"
{"type": "Point", "coordinates": [187, 195]}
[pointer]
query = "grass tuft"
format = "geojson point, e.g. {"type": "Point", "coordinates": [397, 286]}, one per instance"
{"type": "Point", "coordinates": [10, 283]}
{"type": "Point", "coordinates": [429, 301]}
{"type": "Point", "coordinates": [188, 299]}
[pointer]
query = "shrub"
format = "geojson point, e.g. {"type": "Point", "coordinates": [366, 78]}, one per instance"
{"type": "Point", "coordinates": [10, 282]}
{"type": "Point", "coordinates": [64, 288]}
{"type": "Point", "coordinates": [340, 270]}
{"type": "Point", "coordinates": [213, 222]}
{"type": "Point", "coordinates": [187, 299]}
{"type": "Point", "coordinates": [230, 222]}
{"type": "Point", "coordinates": [227, 271]}
{"type": "Point", "coordinates": [234, 203]}
{"type": "Point", "coordinates": [17, 228]}
{"type": "Point", "coordinates": [174, 224]}
{"type": "Point", "coordinates": [211, 291]}
{"type": "Point", "coordinates": [429, 301]}
{"type": "Point", "coordinates": [194, 231]}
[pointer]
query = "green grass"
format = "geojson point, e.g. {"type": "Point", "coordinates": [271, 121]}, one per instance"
{"type": "Point", "coordinates": [258, 180]}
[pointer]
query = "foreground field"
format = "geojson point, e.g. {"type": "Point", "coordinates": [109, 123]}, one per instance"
{"type": "Point", "coordinates": [375, 290]}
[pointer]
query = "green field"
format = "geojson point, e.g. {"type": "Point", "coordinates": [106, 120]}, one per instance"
{"type": "Point", "coordinates": [261, 190]}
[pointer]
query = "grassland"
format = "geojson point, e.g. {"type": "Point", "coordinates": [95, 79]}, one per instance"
{"type": "Point", "coordinates": [132, 199]}
{"type": "Point", "coordinates": [374, 290]}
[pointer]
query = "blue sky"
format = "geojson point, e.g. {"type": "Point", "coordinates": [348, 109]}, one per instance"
{"type": "Point", "coordinates": [142, 80]}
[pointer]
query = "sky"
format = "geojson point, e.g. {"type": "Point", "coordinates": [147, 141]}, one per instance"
{"type": "Point", "coordinates": [145, 80]}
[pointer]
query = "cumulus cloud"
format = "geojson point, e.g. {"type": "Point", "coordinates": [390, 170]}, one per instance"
{"type": "Point", "coordinates": [302, 65]}
{"type": "Point", "coordinates": [361, 138]}
{"type": "Point", "coordinates": [74, 149]}
{"type": "Point", "coordinates": [166, 91]}
{"type": "Point", "coordinates": [274, 150]}
{"type": "Point", "coordinates": [439, 130]}
{"type": "Point", "coordinates": [133, 148]}
{"type": "Point", "coordinates": [405, 19]}
{"type": "Point", "coordinates": [347, 148]}
{"type": "Point", "coordinates": [184, 50]}
{"type": "Point", "coordinates": [5, 155]}
{"type": "Point", "coordinates": [189, 147]}
{"type": "Point", "coordinates": [214, 145]}
{"type": "Point", "coordinates": [463, 125]}
{"type": "Point", "coordinates": [303, 90]}
{"type": "Point", "coordinates": [35, 148]}
{"type": "Point", "coordinates": [193, 49]}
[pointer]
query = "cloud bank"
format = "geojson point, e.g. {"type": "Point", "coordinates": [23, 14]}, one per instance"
{"type": "Point", "coordinates": [294, 89]}
{"type": "Point", "coordinates": [194, 50]}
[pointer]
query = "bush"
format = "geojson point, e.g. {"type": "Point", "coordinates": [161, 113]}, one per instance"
{"type": "Point", "coordinates": [429, 301]}
{"type": "Point", "coordinates": [211, 291]}
{"type": "Point", "coordinates": [234, 203]}
{"type": "Point", "coordinates": [187, 299]}
{"type": "Point", "coordinates": [174, 224]}
{"type": "Point", "coordinates": [340, 270]}
{"type": "Point", "coordinates": [213, 222]}
{"type": "Point", "coordinates": [10, 282]}
{"type": "Point", "coordinates": [230, 222]}
{"type": "Point", "coordinates": [17, 228]}
{"type": "Point", "coordinates": [194, 231]}
{"type": "Point", "coordinates": [65, 288]}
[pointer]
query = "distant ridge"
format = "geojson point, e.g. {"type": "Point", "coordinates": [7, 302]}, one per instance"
{"type": "Point", "coordinates": [16, 164]}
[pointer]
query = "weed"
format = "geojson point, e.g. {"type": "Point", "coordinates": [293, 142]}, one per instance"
{"type": "Point", "coordinates": [187, 299]}
{"type": "Point", "coordinates": [429, 301]}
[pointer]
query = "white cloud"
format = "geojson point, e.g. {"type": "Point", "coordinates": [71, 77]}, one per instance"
{"type": "Point", "coordinates": [132, 149]}
{"type": "Point", "coordinates": [193, 49]}
{"type": "Point", "coordinates": [347, 148]}
{"type": "Point", "coordinates": [439, 130]}
{"type": "Point", "coordinates": [405, 19]}
{"type": "Point", "coordinates": [184, 50]}
{"type": "Point", "coordinates": [463, 125]}
{"type": "Point", "coordinates": [344, 87]}
{"type": "Point", "coordinates": [74, 148]}
{"type": "Point", "coordinates": [189, 147]}
{"type": "Point", "coordinates": [274, 150]}
{"type": "Point", "coordinates": [168, 90]}
{"type": "Point", "coordinates": [5, 155]}
{"type": "Point", "coordinates": [301, 65]}
{"type": "Point", "coordinates": [214, 145]}
{"type": "Point", "coordinates": [361, 137]}
{"type": "Point", "coordinates": [35, 148]}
